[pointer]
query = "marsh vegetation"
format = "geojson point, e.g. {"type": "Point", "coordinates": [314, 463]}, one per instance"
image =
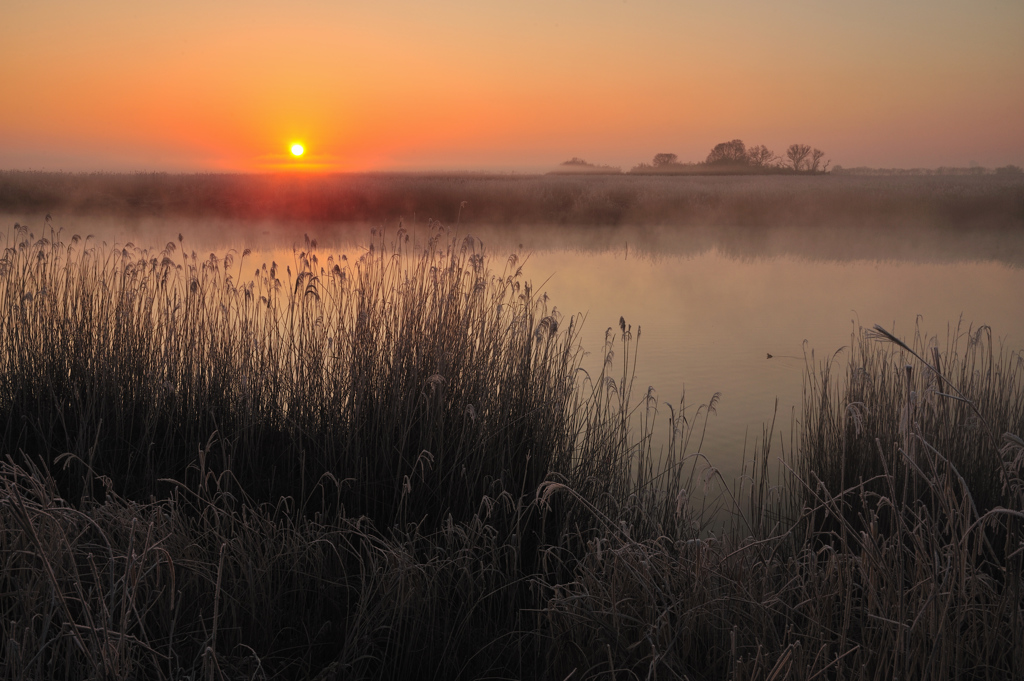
{"type": "Point", "coordinates": [393, 466]}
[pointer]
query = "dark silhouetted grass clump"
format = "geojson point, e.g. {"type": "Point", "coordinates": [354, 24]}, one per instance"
{"type": "Point", "coordinates": [410, 363]}
{"type": "Point", "coordinates": [905, 409]}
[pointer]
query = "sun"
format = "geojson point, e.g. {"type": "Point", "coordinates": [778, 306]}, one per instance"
{"type": "Point", "coordinates": [298, 150]}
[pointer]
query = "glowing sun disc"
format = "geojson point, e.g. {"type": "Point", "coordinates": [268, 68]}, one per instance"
{"type": "Point", "coordinates": [298, 149]}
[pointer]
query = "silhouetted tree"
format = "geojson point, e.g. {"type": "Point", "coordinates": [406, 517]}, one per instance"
{"type": "Point", "coordinates": [731, 153]}
{"type": "Point", "coordinates": [665, 159]}
{"type": "Point", "coordinates": [816, 156]}
{"type": "Point", "coordinates": [761, 156]}
{"type": "Point", "coordinates": [797, 155]}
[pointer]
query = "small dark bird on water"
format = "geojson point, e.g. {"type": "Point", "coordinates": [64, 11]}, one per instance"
{"type": "Point", "coordinates": [769, 355]}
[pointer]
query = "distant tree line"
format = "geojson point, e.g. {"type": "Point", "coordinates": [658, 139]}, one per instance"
{"type": "Point", "coordinates": [579, 166]}
{"type": "Point", "coordinates": [734, 157]}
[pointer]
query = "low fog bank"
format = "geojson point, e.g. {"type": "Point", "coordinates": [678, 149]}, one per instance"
{"type": "Point", "coordinates": [918, 219]}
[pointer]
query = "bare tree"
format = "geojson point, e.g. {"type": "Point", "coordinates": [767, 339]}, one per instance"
{"type": "Point", "coordinates": [665, 159]}
{"type": "Point", "coordinates": [761, 156]}
{"type": "Point", "coordinates": [816, 156]}
{"type": "Point", "coordinates": [797, 155]}
{"type": "Point", "coordinates": [731, 153]}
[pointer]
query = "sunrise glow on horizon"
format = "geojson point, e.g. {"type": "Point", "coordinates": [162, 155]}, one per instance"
{"type": "Point", "coordinates": [507, 87]}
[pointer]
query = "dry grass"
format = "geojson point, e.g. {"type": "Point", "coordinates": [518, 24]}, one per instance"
{"type": "Point", "coordinates": [395, 469]}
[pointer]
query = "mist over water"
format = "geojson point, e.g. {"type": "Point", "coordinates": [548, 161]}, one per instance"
{"type": "Point", "coordinates": [711, 303]}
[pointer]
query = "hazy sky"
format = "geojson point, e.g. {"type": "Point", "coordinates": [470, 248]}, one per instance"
{"type": "Point", "coordinates": [504, 84]}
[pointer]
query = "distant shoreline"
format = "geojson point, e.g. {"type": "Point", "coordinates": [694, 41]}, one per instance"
{"type": "Point", "coordinates": [936, 201]}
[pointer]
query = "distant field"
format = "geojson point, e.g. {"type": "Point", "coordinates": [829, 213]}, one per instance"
{"type": "Point", "coordinates": [991, 201]}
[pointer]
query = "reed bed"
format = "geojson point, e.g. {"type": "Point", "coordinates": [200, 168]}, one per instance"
{"type": "Point", "coordinates": [393, 467]}
{"type": "Point", "coordinates": [388, 369]}
{"type": "Point", "coordinates": [953, 409]}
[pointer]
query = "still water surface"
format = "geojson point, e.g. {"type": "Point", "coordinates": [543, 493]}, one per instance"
{"type": "Point", "coordinates": [711, 304]}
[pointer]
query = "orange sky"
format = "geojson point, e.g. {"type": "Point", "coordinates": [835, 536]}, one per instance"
{"type": "Point", "coordinates": [504, 85]}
